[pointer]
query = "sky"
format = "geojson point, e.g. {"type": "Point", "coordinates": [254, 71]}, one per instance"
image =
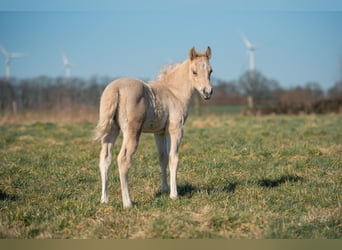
{"type": "Point", "coordinates": [297, 41]}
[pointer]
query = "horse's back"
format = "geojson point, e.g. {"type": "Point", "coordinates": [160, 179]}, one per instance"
{"type": "Point", "coordinates": [133, 86]}
{"type": "Point", "coordinates": [138, 107]}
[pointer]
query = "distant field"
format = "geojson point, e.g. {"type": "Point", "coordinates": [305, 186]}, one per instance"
{"type": "Point", "coordinates": [239, 177]}
{"type": "Point", "coordinates": [221, 109]}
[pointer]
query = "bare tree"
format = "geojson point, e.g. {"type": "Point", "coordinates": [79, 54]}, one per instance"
{"type": "Point", "coordinates": [259, 87]}
{"type": "Point", "coordinates": [336, 90]}
{"type": "Point", "coordinates": [7, 96]}
{"type": "Point", "coordinates": [315, 90]}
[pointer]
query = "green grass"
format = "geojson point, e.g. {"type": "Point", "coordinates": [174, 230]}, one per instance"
{"type": "Point", "coordinates": [239, 177]}
{"type": "Point", "coordinates": [220, 109]}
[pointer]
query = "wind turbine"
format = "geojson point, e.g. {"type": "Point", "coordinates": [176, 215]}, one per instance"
{"type": "Point", "coordinates": [67, 65]}
{"type": "Point", "coordinates": [9, 57]}
{"type": "Point", "coordinates": [250, 50]}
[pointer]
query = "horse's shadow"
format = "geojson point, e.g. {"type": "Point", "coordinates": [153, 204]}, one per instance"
{"type": "Point", "coordinates": [273, 183]}
{"type": "Point", "coordinates": [187, 190]}
{"type": "Point", "coordinates": [5, 196]}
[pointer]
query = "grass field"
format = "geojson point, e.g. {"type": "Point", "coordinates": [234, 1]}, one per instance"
{"type": "Point", "coordinates": [239, 177]}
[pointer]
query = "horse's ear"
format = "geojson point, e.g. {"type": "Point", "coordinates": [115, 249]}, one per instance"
{"type": "Point", "coordinates": [192, 53]}
{"type": "Point", "coordinates": [208, 52]}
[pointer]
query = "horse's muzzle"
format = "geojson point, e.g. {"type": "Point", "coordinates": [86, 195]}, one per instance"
{"type": "Point", "coordinates": [207, 92]}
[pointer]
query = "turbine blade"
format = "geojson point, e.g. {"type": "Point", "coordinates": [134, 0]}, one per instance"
{"type": "Point", "coordinates": [65, 60]}
{"type": "Point", "coordinates": [248, 44]}
{"type": "Point", "coordinates": [16, 55]}
{"type": "Point", "coordinates": [4, 51]}
{"type": "Point", "coordinates": [245, 40]}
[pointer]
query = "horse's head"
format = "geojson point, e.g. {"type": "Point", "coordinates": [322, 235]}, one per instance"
{"type": "Point", "coordinates": [200, 71]}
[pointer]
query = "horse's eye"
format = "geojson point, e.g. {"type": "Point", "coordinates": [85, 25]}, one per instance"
{"type": "Point", "coordinates": [194, 73]}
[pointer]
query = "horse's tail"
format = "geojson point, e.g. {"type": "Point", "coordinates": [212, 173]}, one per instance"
{"type": "Point", "coordinates": [108, 106]}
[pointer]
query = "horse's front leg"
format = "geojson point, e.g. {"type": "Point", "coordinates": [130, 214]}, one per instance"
{"type": "Point", "coordinates": [163, 145]}
{"type": "Point", "coordinates": [175, 139]}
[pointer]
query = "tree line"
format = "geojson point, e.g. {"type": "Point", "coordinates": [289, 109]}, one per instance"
{"type": "Point", "coordinates": [267, 96]}
{"type": "Point", "coordinates": [58, 94]}
{"type": "Point", "coordinates": [50, 94]}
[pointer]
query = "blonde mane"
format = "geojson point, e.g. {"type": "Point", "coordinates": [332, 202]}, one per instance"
{"type": "Point", "coordinates": [167, 69]}
{"type": "Point", "coordinates": [164, 72]}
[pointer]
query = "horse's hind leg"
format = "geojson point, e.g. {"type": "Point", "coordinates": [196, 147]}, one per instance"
{"type": "Point", "coordinates": [128, 148]}
{"type": "Point", "coordinates": [107, 143]}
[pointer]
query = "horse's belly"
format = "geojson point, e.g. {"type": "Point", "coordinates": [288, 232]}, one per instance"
{"type": "Point", "coordinates": [154, 125]}
{"type": "Point", "coordinates": [156, 114]}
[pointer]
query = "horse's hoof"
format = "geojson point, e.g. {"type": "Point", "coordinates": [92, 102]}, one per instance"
{"type": "Point", "coordinates": [104, 200]}
{"type": "Point", "coordinates": [174, 197]}
{"type": "Point", "coordinates": [127, 206]}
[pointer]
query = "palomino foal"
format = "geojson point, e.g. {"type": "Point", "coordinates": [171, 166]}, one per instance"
{"type": "Point", "coordinates": [160, 107]}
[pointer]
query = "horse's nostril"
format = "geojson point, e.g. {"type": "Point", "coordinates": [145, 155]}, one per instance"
{"type": "Point", "coordinates": [208, 91]}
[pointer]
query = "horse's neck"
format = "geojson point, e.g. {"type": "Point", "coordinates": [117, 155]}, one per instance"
{"type": "Point", "coordinates": [179, 84]}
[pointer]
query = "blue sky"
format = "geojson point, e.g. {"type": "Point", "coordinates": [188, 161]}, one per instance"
{"type": "Point", "coordinates": [299, 41]}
